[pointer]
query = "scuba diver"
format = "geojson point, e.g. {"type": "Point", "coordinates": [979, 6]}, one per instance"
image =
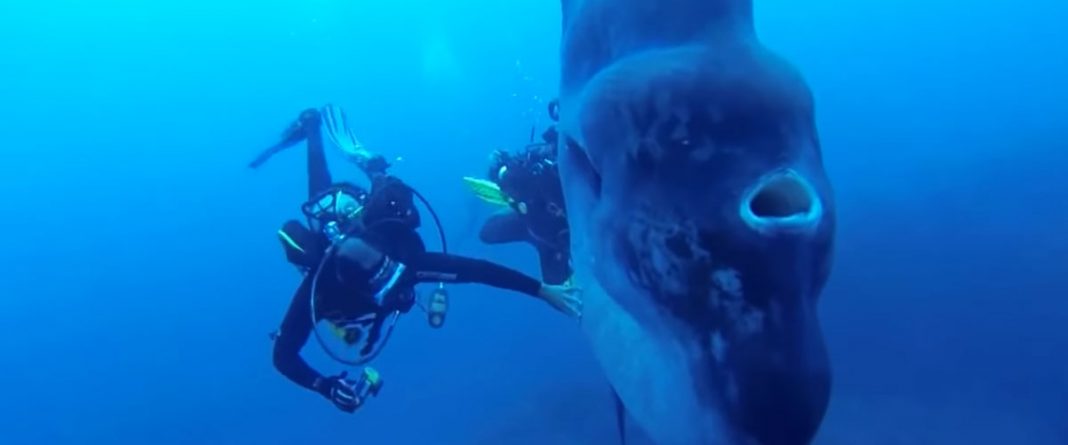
{"type": "Point", "coordinates": [527, 185]}
{"type": "Point", "coordinates": [362, 257]}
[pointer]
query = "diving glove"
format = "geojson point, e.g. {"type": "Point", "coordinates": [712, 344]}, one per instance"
{"type": "Point", "coordinates": [348, 394]}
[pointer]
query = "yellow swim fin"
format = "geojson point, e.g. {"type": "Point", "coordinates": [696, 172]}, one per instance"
{"type": "Point", "coordinates": [487, 191]}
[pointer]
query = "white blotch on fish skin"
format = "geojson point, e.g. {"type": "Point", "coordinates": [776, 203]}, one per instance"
{"type": "Point", "coordinates": [658, 258]}
{"type": "Point", "coordinates": [750, 322]}
{"type": "Point", "coordinates": [729, 296]}
{"type": "Point", "coordinates": [728, 281]}
{"type": "Point", "coordinates": [653, 235]}
{"type": "Point", "coordinates": [719, 347]}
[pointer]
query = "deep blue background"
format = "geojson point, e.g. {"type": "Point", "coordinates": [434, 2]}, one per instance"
{"type": "Point", "coordinates": [141, 275]}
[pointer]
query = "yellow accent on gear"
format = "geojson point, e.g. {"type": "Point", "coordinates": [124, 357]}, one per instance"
{"type": "Point", "coordinates": [372, 375]}
{"type": "Point", "coordinates": [487, 191]}
{"type": "Point", "coordinates": [285, 237]}
{"type": "Point", "coordinates": [338, 331]}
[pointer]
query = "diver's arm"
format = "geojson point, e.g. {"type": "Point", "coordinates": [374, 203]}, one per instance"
{"type": "Point", "coordinates": [296, 327]}
{"type": "Point", "coordinates": [431, 267]}
{"type": "Point", "coordinates": [319, 178]}
{"type": "Point", "coordinates": [440, 267]}
{"type": "Point", "coordinates": [357, 259]}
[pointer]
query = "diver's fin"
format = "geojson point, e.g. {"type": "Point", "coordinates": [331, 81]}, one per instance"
{"type": "Point", "coordinates": [264, 156]}
{"type": "Point", "coordinates": [621, 418]}
{"type": "Point", "coordinates": [336, 125]}
{"type": "Point", "coordinates": [487, 191]}
{"type": "Point", "coordinates": [269, 152]}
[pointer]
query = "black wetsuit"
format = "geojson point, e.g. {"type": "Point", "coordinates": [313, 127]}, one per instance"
{"type": "Point", "coordinates": [421, 268]}
{"type": "Point", "coordinates": [391, 223]}
{"type": "Point", "coordinates": [536, 214]}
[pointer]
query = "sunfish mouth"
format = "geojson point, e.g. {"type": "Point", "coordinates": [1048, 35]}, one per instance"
{"type": "Point", "coordinates": [782, 202]}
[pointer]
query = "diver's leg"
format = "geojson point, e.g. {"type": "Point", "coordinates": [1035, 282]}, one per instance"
{"type": "Point", "coordinates": [307, 122]}
{"type": "Point", "coordinates": [505, 226]}
{"type": "Point", "coordinates": [318, 171]}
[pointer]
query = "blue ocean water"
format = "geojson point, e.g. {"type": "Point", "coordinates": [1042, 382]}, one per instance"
{"type": "Point", "coordinates": [141, 274]}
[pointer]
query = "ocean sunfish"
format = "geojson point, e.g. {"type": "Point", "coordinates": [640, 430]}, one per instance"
{"type": "Point", "coordinates": [701, 217]}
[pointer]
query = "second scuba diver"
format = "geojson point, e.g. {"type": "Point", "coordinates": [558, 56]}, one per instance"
{"type": "Point", "coordinates": [362, 256]}
{"type": "Point", "coordinates": [527, 185]}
